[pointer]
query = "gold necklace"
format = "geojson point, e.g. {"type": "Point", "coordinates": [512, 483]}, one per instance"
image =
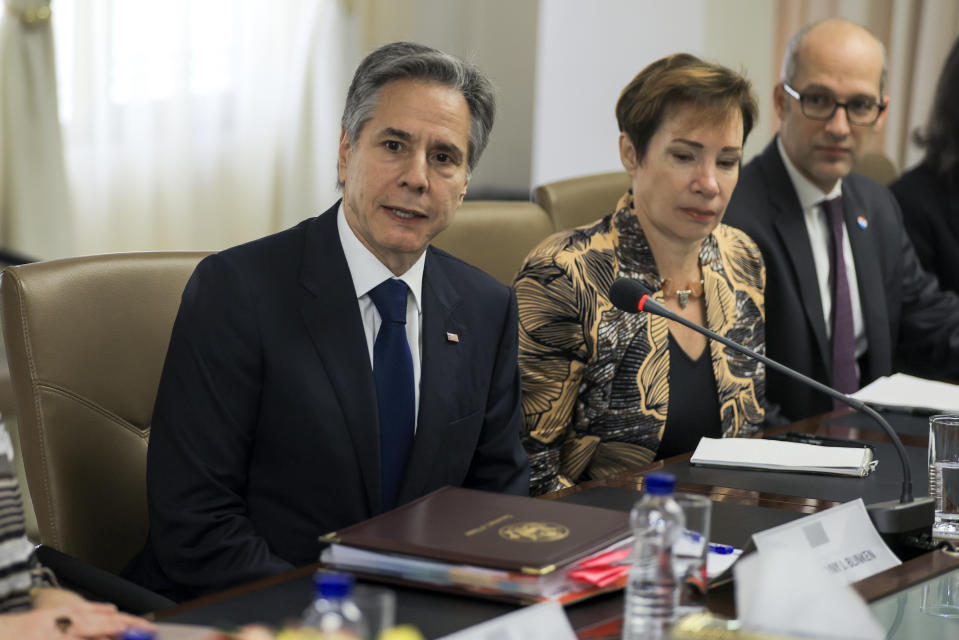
{"type": "Point", "coordinates": [693, 288]}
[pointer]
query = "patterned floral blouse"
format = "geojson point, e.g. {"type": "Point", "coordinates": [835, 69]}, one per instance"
{"type": "Point", "coordinates": [596, 379]}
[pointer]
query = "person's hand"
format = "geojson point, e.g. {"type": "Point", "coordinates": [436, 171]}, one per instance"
{"type": "Point", "coordinates": [59, 614]}
{"type": "Point", "coordinates": [52, 597]}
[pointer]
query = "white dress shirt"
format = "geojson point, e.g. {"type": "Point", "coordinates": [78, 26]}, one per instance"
{"type": "Point", "coordinates": [368, 272]}
{"type": "Point", "coordinates": [817, 226]}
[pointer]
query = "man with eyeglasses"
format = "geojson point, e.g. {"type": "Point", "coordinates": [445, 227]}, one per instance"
{"type": "Point", "coordinates": [846, 298]}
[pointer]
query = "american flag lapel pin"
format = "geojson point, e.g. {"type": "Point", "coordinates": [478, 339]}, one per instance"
{"type": "Point", "coordinates": [862, 222]}
{"type": "Point", "coordinates": [452, 337]}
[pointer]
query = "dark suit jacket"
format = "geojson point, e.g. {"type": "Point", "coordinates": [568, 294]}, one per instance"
{"type": "Point", "coordinates": [265, 430]}
{"type": "Point", "coordinates": [930, 211]}
{"type": "Point", "coordinates": [910, 324]}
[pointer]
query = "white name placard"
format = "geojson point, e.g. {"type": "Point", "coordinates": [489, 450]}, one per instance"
{"type": "Point", "coordinates": [543, 621]}
{"type": "Point", "coordinates": [843, 539]}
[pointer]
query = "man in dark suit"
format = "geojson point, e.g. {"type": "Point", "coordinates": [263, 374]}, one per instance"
{"type": "Point", "coordinates": [846, 298]}
{"type": "Point", "coordinates": [292, 401]}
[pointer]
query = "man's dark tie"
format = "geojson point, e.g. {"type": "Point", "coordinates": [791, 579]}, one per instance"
{"type": "Point", "coordinates": [844, 377]}
{"type": "Point", "coordinates": [395, 392]}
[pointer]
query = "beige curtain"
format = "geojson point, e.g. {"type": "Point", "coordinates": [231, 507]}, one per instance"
{"type": "Point", "coordinates": [917, 33]}
{"type": "Point", "coordinates": [192, 124]}
{"type": "Point", "coordinates": [35, 209]}
{"type": "Point", "coordinates": [921, 34]}
{"type": "Point", "coordinates": [308, 137]}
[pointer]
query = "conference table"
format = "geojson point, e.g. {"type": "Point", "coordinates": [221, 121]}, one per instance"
{"type": "Point", "coordinates": [744, 502]}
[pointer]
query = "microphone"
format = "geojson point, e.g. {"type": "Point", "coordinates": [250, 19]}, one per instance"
{"type": "Point", "coordinates": [890, 517]}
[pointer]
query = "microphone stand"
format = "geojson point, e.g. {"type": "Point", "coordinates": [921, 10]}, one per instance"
{"type": "Point", "coordinates": [890, 517]}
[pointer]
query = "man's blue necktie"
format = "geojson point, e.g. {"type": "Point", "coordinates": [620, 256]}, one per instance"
{"type": "Point", "coordinates": [395, 392]}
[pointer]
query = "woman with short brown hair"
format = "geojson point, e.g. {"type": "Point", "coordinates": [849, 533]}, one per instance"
{"type": "Point", "coordinates": [605, 391]}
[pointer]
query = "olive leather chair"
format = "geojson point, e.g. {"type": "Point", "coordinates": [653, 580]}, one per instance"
{"type": "Point", "coordinates": [877, 166]}
{"type": "Point", "coordinates": [495, 235]}
{"type": "Point", "coordinates": [577, 201]}
{"type": "Point", "coordinates": [86, 339]}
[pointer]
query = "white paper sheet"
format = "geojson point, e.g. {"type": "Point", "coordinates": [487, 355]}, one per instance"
{"type": "Point", "coordinates": [777, 455]}
{"type": "Point", "coordinates": [171, 631]}
{"type": "Point", "coordinates": [905, 391]}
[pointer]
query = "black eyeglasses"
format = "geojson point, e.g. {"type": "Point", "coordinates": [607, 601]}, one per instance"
{"type": "Point", "coordinates": [822, 106]}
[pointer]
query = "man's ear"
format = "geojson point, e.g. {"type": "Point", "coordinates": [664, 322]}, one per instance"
{"type": "Point", "coordinates": [343, 157]}
{"type": "Point", "coordinates": [627, 153]}
{"type": "Point", "coordinates": [779, 101]}
{"type": "Point", "coordinates": [885, 110]}
{"type": "Point", "coordinates": [463, 192]}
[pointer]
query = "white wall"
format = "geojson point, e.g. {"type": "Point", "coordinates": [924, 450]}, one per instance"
{"type": "Point", "coordinates": [500, 37]}
{"type": "Point", "coordinates": [740, 34]}
{"type": "Point", "coordinates": [588, 51]}
{"type": "Point", "coordinates": [559, 66]}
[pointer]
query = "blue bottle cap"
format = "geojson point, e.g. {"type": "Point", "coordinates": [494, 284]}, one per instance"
{"type": "Point", "coordinates": [332, 585]}
{"type": "Point", "coordinates": [137, 634]}
{"type": "Point", "coordinates": [660, 484]}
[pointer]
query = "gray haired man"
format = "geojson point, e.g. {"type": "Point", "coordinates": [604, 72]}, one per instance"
{"type": "Point", "coordinates": [332, 371]}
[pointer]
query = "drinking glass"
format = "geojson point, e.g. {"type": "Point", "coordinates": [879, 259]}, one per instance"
{"type": "Point", "coordinates": [940, 596]}
{"type": "Point", "coordinates": [690, 553]}
{"type": "Point", "coordinates": [944, 475]}
{"type": "Point", "coordinates": [378, 606]}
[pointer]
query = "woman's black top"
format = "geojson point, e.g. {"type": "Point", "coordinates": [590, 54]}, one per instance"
{"type": "Point", "coordinates": [693, 403]}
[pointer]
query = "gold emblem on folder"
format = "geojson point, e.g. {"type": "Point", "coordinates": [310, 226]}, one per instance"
{"type": "Point", "coordinates": [533, 531]}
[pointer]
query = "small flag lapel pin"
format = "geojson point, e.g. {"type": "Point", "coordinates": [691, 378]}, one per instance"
{"type": "Point", "coordinates": [862, 222]}
{"type": "Point", "coordinates": [452, 337]}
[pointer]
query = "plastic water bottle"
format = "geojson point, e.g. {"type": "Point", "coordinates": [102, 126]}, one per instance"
{"type": "Point", "coordinates": [651, 591]}
{"type": "Point", "coordinates": [333, 612]}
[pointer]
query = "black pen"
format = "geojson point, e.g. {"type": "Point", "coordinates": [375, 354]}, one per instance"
{"type": "Point", "coordinates": [902, 409]}
{"type": "Point", "coordinates": [823, 441]}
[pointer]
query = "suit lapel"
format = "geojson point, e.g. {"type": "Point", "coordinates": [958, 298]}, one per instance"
{"type": "Point", "coordinates": [442, 364]}
{"type": "Point", "coordinates": [791, 227]}
{"type": "Point", "coordinates": [333, 320]}
{"type": "Point", "coordinates": [865, 253]}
